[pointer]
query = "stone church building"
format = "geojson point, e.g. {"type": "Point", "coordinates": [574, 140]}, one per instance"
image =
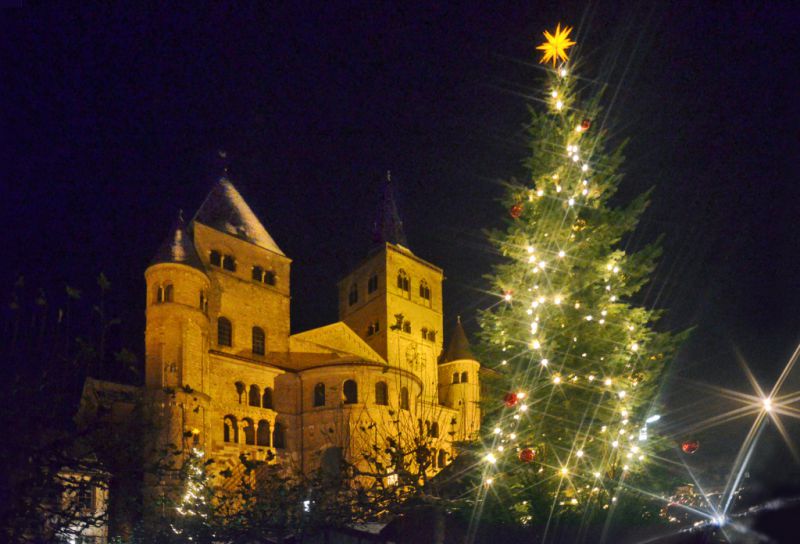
{"type": "Point", "coordinates": [224, 373]}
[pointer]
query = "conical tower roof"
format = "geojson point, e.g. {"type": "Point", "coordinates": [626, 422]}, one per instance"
{"type": "Point", "coordinates": [225, 210]}
{"type": "Point", "coordinates": [178, 247]}
{"type": "Point", "coordinates": [458, 345]}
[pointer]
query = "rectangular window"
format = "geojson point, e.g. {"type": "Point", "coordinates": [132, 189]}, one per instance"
{"type": "Point", "coordinates": [84, 498]}
{"type": "Point", "coordinates": [228, 263]}
{"type": "Point", "coordinates": [372, 284]}
{"type": "Point", "coordinates": [215, 258]}
{"type": "Point", "coordinates": [258, 273]}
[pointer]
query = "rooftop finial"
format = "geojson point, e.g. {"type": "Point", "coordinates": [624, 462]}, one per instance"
{"type": "Point", "coordinates": [458, 319]}
{"type": "Point", "coordinates": [180, 215]}
{"type": "Point", "coordinates": [223, 160]}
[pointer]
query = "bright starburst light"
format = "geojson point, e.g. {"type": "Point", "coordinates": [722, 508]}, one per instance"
{"type": "Point", "coordinates": [556, 46]}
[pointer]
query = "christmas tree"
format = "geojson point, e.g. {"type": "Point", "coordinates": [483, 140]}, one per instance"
{"type": "Point", "coordinates": [196, 520]}
{"type": "Point", "coordinates": [578, 359]}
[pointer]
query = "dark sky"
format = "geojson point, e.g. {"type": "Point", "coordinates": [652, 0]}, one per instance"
{"type": "Point", "coordinates": [111, 119]}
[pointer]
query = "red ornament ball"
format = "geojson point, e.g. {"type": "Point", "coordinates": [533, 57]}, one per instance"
{"type": "Point", "coordinates": [585, 124]}
{"type": "Point", "coordinates": [516, 210]}
{"type": "Point", "coordinates": [690, 446]}
{"type": "Point", "coordinates": [510, 399]}
{"type": "Point", "coordinates": [527, 455]}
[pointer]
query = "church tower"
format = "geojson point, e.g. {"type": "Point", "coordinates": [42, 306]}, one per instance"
{"type": "Point", "coordinates": [459, 386]}
{"type": "Point", "coordinates": [393, 300]}
{"type": "Point", "coordinates": [176, 313]}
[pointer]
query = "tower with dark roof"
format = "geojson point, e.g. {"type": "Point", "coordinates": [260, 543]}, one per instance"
{"type": "Point", "coordinates": [459, 383]}
{"type": "Point", "coordinates": [176, 317]}
{"type": "Point", "coordinates": [393, 300]}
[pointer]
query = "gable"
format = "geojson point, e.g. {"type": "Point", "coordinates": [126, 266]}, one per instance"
{"type": "Point", "coordinates": [337, 339]}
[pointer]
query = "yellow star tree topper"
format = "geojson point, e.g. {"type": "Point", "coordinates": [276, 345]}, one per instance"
{"type": "Point", "coordinates": [556, 45]}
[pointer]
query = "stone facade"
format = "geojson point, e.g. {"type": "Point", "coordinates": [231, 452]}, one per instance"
{"type": "Point", "coordinates": [224, 373]}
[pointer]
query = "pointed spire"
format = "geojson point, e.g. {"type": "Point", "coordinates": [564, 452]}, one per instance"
{"type": "Point", "coordinates": [178, 247]}
{"type": "Point", "coordinates": [225, 210]}
{"type": "Point", "coordinates": [458, 345]}
{"type": "Point", "coordinates": [388, 226]}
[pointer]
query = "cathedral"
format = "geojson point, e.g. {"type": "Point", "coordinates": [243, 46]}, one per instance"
{"type": "Point", "coordinates": [225, 374]}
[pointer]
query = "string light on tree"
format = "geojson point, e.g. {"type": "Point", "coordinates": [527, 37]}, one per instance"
{"type": "Point", "coordinates": [586, 356]}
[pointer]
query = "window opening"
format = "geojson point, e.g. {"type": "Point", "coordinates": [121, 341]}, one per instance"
{"type": "Point", "coordinates": [263, 433]}
{"type": "Point", "coordinates": [266, 399]}
{"type": "Point", "coordinates": [215, 258]}
{"type": "Point", "coordinates": [372, 284]}
{"type": "Point", "coordinates": [224, 331]}
{"type": "Point", "coordinates": [259, 341]}
{"type": "Point", "coordinates": [319, 394]}
{"type": "Point", "coordinates": [228, 263]}
{"type": "Point", "coordinates": [353, 296]}
{"type": "Point", "coordinates": [381, 393]}
{"type": "Point", "coordinates": [255, 396]}
{"type": "Point", "coordinates": [350, 390]}
{"type": "Point", "coordinates": [249, 432]}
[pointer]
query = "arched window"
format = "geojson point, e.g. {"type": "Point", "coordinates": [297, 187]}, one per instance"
{"type": "Point", "coordinates": [319, 394]}
{"type": "Point", "coordinates": [279, 436]}
{"type": "Point", "coordinates": [228, 263]}
{"type": "Point", "coordinates": [263, 434]}
{"type": "Point", "coordinates": [270, 277]}
{"type": "Point", "coordinates": [159, 294]}
{"type": "Point", "coordinates": [230, 431]}
{"type": "Point", "coordinates": [407, 326]}
{"type": "Point", "coordinates": [434, 431]}
{"type": "Point", "coordinates": [424, 332]}
{"type": "Point", "coordinates": [350, 390]}
{"type": "Point", "coordinates": [168, 290]}
{"type": "Point", "coordinates": [432, 336]}
{"type": "Point", "coordinates": [464, 377]}
{"type": "Point", "coordinates": [441, 460]}
{"type": "Point", "coordinates": [255, 396]}
{"type": "Point", "coordinates": [455, 377]}
{"type": "Point", "coordinates": [240, 389]}
{"type": "Point", "coordinates": [403, 281]}
{"type": "Point", "coordinates": [266, 400]}
{"type": "Point", "coordinates": [424, 290]}
{"type": "Point", "coordinates": [215, 258]}
{"type": "Point", "coordinates": [259, 341]}
{"type": "Point", "coordinates": [258, 273]}
{"type": "Point", "coordinates": [404, 398]}
{"type": "Point", "coordinates": [224, 332]}
{"type": "Point", "coordinates": [249, 432]}
{"type": "Point", "coordinates": [352, 298]}
{"type": "Point", "coordinates": [381, 393]}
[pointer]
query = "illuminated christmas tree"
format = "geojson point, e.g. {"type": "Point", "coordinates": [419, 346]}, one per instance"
{"type": "Point", "coordinates": [195, 520]}
{"type": "Point", "coordinates": [579, 359]}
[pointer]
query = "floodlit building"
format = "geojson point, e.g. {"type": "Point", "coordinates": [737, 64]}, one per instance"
{"type": "Point", "coordinates": [224, 373]}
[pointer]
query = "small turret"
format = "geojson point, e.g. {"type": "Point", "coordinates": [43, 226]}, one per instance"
{"type": "Point", "coordinates": [177, 306]}
{"type": "Point", "coordinates": [458, 381]}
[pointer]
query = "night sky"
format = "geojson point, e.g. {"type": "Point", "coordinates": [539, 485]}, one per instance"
{"type": "Point", "coordinates": [111, 121]}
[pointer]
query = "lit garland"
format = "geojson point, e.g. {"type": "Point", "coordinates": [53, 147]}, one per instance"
{"type": "Point", "coordinates": [194, 503]}
{"type": "Point", "coordinates": [572, 345]}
